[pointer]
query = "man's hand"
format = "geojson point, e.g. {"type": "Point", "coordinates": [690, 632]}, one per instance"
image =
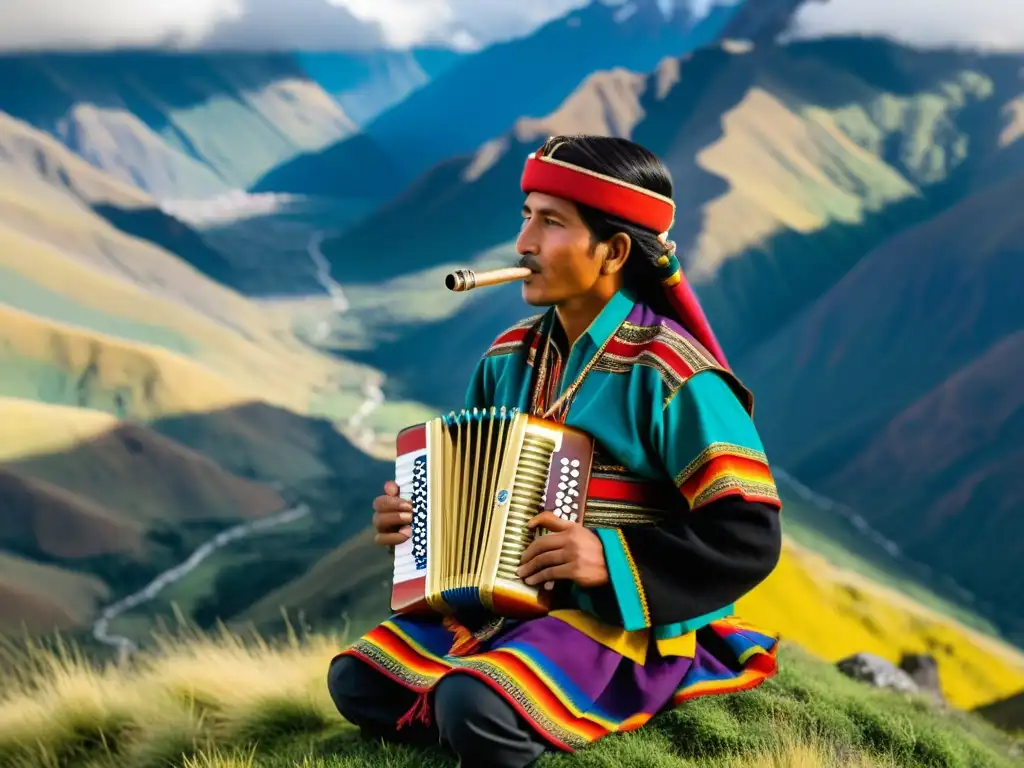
{"type": "Point", "coordinates": [391, 517]}
{"type": "Point", "coordinates": [570, 552]}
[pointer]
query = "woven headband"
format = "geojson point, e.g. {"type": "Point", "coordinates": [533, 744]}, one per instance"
{"type": "Point", "coordinates": [634, 204]}
{"type": "Point", "coordinates": [639, 206]}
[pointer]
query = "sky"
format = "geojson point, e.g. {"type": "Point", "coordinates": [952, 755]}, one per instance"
{"type": "Point", "coordinates": [989, 24]}
{"type": "Point", "coordinates": [361, 24]}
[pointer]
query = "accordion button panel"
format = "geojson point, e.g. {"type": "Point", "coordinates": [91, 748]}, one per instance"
{"type": "Point", "coordinates": [567, 504]}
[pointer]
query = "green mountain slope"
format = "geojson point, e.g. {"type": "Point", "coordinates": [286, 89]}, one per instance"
{"type": "Point", "coordinates": [175, 125]}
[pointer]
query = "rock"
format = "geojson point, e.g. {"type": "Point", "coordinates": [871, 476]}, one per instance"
{"type": "Point", "coordinates": [924, 670]}
{"type": "Point", "coordinates": [877, 672]}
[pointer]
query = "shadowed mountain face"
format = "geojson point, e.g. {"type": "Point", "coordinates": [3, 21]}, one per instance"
{"type": "Point", "coordinates": [910, 406]}
{"type": "Point", "coordinates": [534, 72]}
{"type": "Point", "coordinates": [367, 83]}
{"type": "Point", "coordinates": [185, 125]}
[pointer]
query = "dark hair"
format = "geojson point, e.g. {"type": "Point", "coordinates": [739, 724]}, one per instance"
{"type": "Point", "coordinates": [627, 161]}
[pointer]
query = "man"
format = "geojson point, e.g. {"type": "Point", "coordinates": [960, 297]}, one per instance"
{"type": "Point", "coordinates": [682, 513]}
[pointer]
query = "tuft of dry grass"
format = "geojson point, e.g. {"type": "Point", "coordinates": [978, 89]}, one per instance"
{"type": "Point", "coordinates": [57, 706]}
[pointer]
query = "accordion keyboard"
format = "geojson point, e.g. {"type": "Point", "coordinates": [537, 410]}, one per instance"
{"type": "Point", "coordinates": [411, 554]}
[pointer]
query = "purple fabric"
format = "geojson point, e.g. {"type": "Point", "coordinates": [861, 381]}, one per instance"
{"type": "Point", "coordinates": [595, 678]}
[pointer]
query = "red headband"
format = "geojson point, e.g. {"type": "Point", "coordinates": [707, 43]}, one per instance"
{"type": "Point", "coordinates": [640, 206]}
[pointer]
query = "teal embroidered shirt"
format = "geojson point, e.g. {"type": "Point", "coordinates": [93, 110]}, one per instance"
{"type": "Point", "coordinates": [664, 414]}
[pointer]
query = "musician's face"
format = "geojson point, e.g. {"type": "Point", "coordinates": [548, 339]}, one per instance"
{"type": "Point", "coordinates": [556, 243]}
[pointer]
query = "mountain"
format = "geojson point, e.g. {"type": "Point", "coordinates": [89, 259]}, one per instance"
{"type": "Point", "coordinates": [174, 125]}
{"type": "Point", "coordinates": [535, 73]}
{"type": "Point", "coordinates": [790, 162]}
{"type": "Point", "coordinates": [145, 406]}
{"type": "Point", "coordinates": [847, 213]}
{"type": "Point", "coordinates": [366, 83]}
{"type": "Point", "coordinates": [910, 408]}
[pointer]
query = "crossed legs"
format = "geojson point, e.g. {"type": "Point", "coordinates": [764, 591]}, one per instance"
{"type": "Point", "coordinates": [469, 718]}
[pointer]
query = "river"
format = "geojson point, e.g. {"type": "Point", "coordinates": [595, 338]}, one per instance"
{"type": "Point", "coordinates": [360, 434]}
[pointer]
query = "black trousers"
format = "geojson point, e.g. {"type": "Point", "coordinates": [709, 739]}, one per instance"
{"type": "Point", "coordinates": [468, 717]}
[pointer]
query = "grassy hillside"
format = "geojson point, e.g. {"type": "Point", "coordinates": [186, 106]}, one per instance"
{"type": "Point", "coordinates": [44, 598]}
{"type": "Point", "coordinates": [223, 701]}
{"type": "Point", "coordinates": [175, 125]}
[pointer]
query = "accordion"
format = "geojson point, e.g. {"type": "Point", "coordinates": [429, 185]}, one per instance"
{"type": "Point", "coordinates": [475, 479]}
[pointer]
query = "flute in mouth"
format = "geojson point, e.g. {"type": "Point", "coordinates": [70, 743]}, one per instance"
{"type": "Point", "coordinates": [467, 279]}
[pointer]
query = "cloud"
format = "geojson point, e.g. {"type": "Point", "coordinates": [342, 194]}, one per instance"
{"type": "Point", "coordinates": [475, 22]}
{"type": "Point", "coordinates": [33, 24]}
{"type": "Point", "coordinates": [360, 24]}
{"type": "Point", "coordinates": [267, 24]}
{"type": "Point", "coordinates": [293, 24]}
{"type": "Point", "coordinates": [986, 24]}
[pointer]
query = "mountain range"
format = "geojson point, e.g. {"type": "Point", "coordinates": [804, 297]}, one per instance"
{"type": "Point", "coordinates": [184, 125]}
{"type": "Point", "coordinates": [178, 357]}
{"type": "Point", "coordinates": [835, 197]}
{"type": "Point", "coordinates": [461, 107]}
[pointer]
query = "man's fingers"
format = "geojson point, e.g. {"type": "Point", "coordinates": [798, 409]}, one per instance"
{"type": "Point", "coordinates": [391, 488]}
{"type": "Point", "coordinates": [555, 573]}
{"type": "Point", "coordinates": [390, 521]}
{"type": "Point", "coordinates": [392, 539]}
{"type": "Point", "coordinates": [541, 561]}
{"type": "Point", "coordinates": [391, 504]}
{"type": "Point", "coordinates": [549, 521]}
{"type": "Point", "coordinates": [542, 544]}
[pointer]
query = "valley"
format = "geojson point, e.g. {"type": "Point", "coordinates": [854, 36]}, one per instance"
{"type": "Point", "coordinates": [221, 295]}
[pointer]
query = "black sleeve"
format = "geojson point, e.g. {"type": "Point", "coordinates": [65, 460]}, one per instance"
{"type": "Point", "coordinates": [694, 563]}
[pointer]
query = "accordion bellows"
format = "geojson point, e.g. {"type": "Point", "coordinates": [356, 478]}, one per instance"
{"type": "Point", "coordinates": [475, 479]}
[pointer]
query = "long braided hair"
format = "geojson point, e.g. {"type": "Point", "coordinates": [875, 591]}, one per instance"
{"type": "Point", "coordinates": [629, 162]}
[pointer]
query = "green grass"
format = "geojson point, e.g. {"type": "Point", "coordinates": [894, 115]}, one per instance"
{"type": "Point", "coordinates": [205, 700]}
